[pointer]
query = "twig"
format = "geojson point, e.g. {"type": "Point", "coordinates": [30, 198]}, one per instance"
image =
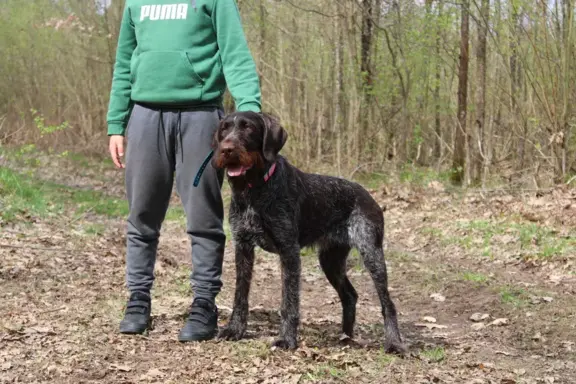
{"type": "Point", "coordinates": [54, 309]}
{"type": "Point", "coordinates": [361, 166]}
{"type": "Point", "coordinates": [66, 250]}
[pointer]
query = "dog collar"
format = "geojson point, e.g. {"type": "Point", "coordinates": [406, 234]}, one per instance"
{"type": "Point", "coordinates": [268, 174]}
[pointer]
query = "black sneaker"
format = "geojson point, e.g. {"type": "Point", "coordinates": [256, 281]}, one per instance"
{"type": "Point", "coordinates": [202, 322]}
{"type": "Point", "coordinates": [137, 314]}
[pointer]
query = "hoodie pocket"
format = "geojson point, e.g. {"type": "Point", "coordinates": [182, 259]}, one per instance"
{"type": "Point", "coordinates": [164, 71]}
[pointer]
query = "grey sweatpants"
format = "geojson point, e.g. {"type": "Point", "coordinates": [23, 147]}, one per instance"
{"type": "Point", "coordinates": [163, 144]}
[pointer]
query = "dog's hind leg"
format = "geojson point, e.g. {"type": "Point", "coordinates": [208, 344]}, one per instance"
{"type": "Point", "coordinates": [373, 257]}
{"type": "Point", "coordinates": [333, 263]}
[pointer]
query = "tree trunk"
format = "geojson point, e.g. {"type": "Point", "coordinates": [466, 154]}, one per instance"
{"type": "Point", "coordinates": [459, 159]}
{"type": "Point", "coordinates": [480, 157]}
{"type": "Point", "coordinates": [366, 70]}
{"type": "Point", "coordinates": [563, 131]}
{"type": "Point", "coordinates": [438, 152]}
{"type": "Point", "coordinates": [338, 88]}
{"type": "Point", "coordinates": [515, 85]}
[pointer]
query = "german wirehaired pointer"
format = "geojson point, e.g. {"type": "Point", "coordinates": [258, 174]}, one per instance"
{"type": "Point", "coordinates": [281, 209]}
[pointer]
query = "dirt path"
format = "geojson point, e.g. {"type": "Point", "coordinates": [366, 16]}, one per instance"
{"type": "Point", "coordinates": [508, 262]}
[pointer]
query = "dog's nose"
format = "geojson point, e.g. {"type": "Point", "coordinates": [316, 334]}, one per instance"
{"type": "Point", "coordinates": [227, 148]}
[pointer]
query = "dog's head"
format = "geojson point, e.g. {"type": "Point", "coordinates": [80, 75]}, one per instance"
{"type": "Point", "coordinates": [247, 140]}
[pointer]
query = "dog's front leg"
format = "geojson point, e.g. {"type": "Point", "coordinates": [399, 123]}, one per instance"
{"type": "Point", "coordinates": [236, 327]}
{"type": "Point", "coordinates": [290, 310]}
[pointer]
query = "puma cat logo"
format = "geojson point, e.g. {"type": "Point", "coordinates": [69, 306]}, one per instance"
{"type": "Point", "coordinates": [164, 12]}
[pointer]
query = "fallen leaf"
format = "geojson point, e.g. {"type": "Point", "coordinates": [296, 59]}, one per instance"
{"type": "Point", "coordinates": [508, 381]}
{"type": "Point", "coordinates": [437, 297]}
{"type": "Point", "coordinates": [344, 337]}
{"type": "Point", "coordinates": [549, 380]}
{"type": "Point", "coordinates": [486, 366]}
{"type": "Point", "coordinates": [5, 366]}
{"type": "Point", "coordinates": [45, 330]}
{"type": "Point", "coordinates": [548, 299]}
{"type": "Point", "coordinates": [477, 326]}
{"type": "Point", "coordinates": [295, 379]}
{"type": "Point", "coordinates": [429, 319]}
{"type": "Point", "coordinates": [155, 372]}
{"type": "Point", "coordinates": [506, 239]}
{"type": "Point", "coordinates": [501, 321]}
{"type": "Point", "coordinates": [122, 368]}
{"type": "Point", "coordinates": [520, 371]}
{"type": "Point", "coordinates": [479, 316]}
{"type": "Point", "coordinates": [431, 326]}
{"type": "Point", "coordinates": [436, 186]}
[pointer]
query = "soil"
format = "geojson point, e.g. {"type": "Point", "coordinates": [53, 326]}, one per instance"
{"type": "Point", "coordinates": [477, 304]}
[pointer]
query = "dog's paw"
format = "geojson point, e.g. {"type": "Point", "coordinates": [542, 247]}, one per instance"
{"type": "Point", "coordinates": [396, 347]}
{"type": "Point", "coordinates": [285, 343]}
{"type": "Point", "coordinates": [232, 332]}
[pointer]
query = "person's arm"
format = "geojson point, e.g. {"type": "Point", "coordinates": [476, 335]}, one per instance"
{"type": "Point", "coordinates": [120, 103]}
{"type": "Point", "coordinates": [238, 64]}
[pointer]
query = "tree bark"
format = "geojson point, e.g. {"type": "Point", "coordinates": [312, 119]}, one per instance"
{"type": "Point", "coordinates": [367, 29]}
{"type": "Point", "coordinates": [460, 138]}
{"type": "Point", "coordinates": [480, 158]}
{"type": "Point", "coordinates": [438, 146]}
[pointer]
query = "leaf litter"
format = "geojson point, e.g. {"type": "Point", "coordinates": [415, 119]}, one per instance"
{"type": "Point", "coordinates": [61, 310]}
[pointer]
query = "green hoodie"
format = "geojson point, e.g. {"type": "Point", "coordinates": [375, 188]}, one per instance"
{"type": "Point", "coordinates": [181, 52]}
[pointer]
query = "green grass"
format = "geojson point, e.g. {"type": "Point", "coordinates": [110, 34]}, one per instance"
{"type": "Point", "coordinates": [23, 198]}
{"type": "Point", "coordinates": [385, 359]}
{"type": "Point", "coordinates": [434, 355]}
{"type": "Point", "coordinates": [421, 176]}
{"type": "Point", "coordinates": [94, 229]}
{"type": "Point", "coordinates": [248, 349]}
{"type": "Point", "coordinates": [408, 173]}
{"type": "Point", "coordinates": [514, 296]}
{"type": "Point", "coordinates": [529, 240]}
{"type": "Point", "coordinates": [325, 371]}
{"type": "Point", "coordinates": [372, 180]}
{"type": "Point", "coordinates": [474, 277]}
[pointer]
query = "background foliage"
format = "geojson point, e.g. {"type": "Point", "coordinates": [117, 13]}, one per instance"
{"type": "Point", "coordinates": [479, 89]}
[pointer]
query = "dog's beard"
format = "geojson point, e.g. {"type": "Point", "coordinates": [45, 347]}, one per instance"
{"type": "Point", "coordinates": [239, 163]}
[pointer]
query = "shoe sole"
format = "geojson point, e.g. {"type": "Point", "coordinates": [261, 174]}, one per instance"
{"type": "Point", "coordinates": [193, 337]}
{"type": "Point", "coordinates": [133, 329]}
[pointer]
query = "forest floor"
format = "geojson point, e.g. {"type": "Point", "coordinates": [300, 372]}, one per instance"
{"type": "Point", "coordinates": [484, 283]}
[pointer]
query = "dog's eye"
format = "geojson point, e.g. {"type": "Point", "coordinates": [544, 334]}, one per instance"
{"type": "Point", "coordinates": [223, 132]}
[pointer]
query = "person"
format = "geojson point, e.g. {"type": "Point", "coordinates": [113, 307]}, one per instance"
{"type": "Point", "coordinates": [174, 61]}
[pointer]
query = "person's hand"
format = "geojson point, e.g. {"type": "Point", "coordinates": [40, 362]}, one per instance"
{"type": "Point", "coordinates": [117, 149]}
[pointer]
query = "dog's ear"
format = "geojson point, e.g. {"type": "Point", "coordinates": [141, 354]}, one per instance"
{"type": "Point", "coordinates": [275, 137]}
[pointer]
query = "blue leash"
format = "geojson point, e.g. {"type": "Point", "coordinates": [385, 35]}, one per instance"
{"type": "Point", "coordinates": [202, 168]}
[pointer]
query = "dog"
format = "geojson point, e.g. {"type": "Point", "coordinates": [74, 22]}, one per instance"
{"type": "Point", "coordinates": [281, 209]}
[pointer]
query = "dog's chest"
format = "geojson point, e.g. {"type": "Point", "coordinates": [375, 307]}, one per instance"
{"type": "Point", "coordinates": [248, 227]}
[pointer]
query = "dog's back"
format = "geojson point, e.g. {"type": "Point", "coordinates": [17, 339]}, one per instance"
{"type": "Point", "coordinates": [326, 208]}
